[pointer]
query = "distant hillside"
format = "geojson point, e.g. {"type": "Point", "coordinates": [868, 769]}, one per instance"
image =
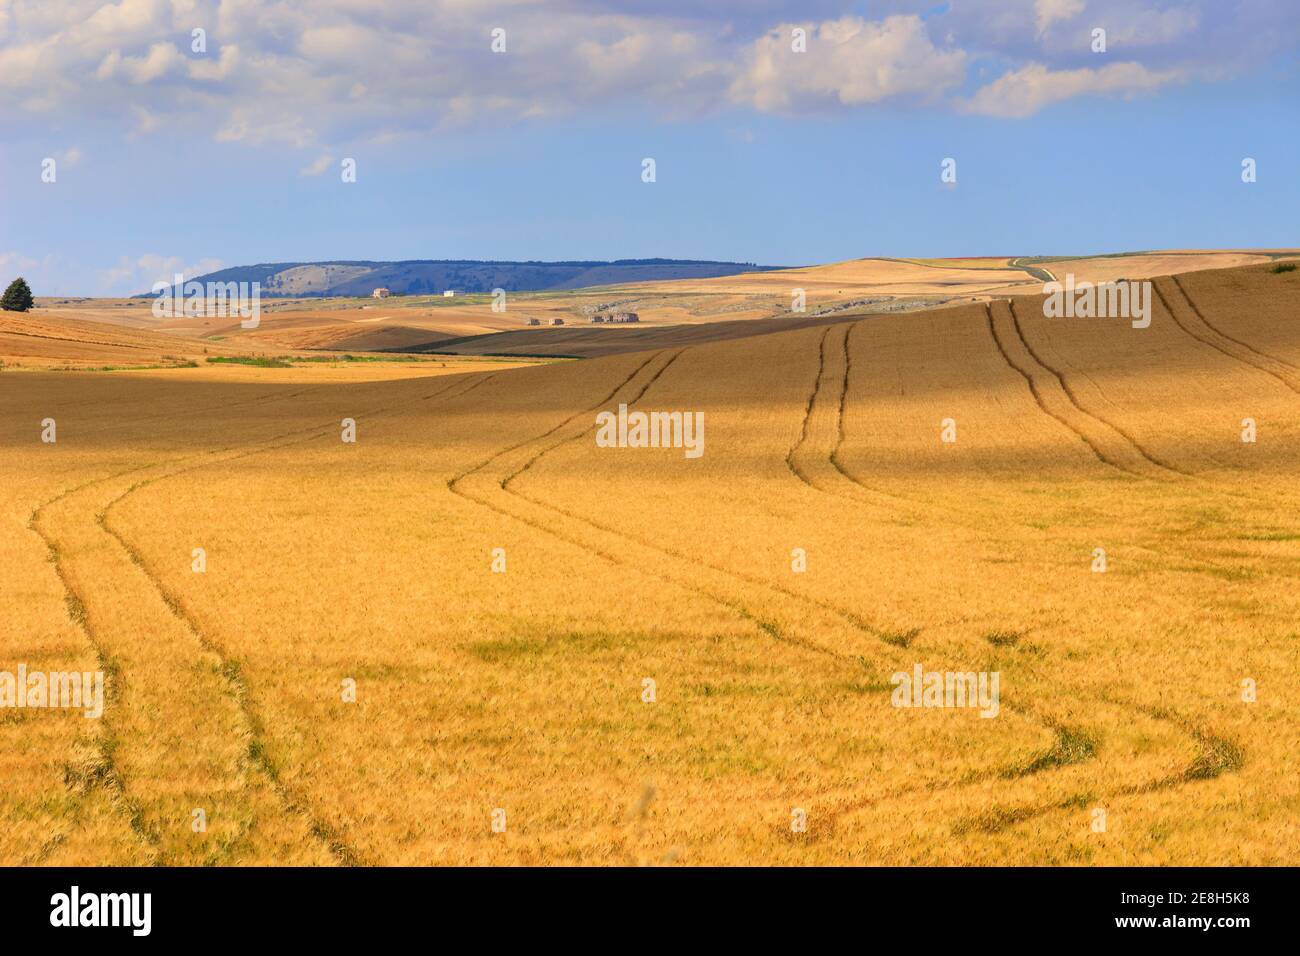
{"type": "Point", "coordinates": [433, 276]}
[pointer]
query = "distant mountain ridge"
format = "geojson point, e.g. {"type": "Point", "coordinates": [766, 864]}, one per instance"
{"type": "Point", "coordinates": [434, 276]}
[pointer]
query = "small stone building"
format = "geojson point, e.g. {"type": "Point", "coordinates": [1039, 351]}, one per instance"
{"type": "Point", "coordinates": [380, 293]}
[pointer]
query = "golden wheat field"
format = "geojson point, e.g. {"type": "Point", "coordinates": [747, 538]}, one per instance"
{"type": "Point", "coordinates": [474, 636]}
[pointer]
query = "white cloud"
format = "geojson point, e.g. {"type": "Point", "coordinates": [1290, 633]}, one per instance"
{"type": "Point", "coordinates": [849, 62]}
{"type": "Point", "coordinates": [318, 167]}
{"type": "Point", "coordinates": [160, 60]}
{"type": "Point", "coordinates": [145, 121]}
{"type": "Point", "coordinates": [1148, 28]}
{"type": "Point", "coordinates": [14, 262]}
{"type": "Point", "coordinates": [1047, 12]}
{"type": "Point", "coordinates": [132, 276]}
{"type": "Point", "coordinates": [305, 73]}
{"type": "Point", "coordinates": [221, 68]}
{"type": "Point", "coordinates": [1024, 92]}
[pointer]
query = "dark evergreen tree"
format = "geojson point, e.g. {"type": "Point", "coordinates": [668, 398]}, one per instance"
{"type": "Point", "coordinates": [18, 297]}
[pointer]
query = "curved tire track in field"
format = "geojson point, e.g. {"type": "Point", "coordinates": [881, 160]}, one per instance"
{"type": "Point", "coordinates": [825, 472]}
{"type": "Point", "coordinates": [79, 602]}
{"type": "Point", "coordinates": [822, 462]}
{"type": "Point", "coordinates": [1215, 756]}
{"type": "Point", "coordinates": [1195, 325]}
{"type": "Point", "coordinates": [814, 464]}
{"type": "Point", "coordinates": [807, 411]}
{"type": "Point", "coordinates": [1050, 395]}
{"type": "Point", "coordinates": [1052, 758]}
{"type": "Point", "coordinates": [549, 432]}
{"type": "Point", "coordinates": [956, 516]}
{"type": "Point", "coordinates": [1104, 426]}
{"type": "Point", "coordinates": [654, 377]}
{"type": "Point", "coordinates": [1196, 310]}
{"type": "Point", "coordinates": [1160, 471]}
{"type": "Point", "coordinates": [481, 486]}
{"type": "Point", "coordinates": [1048, 760]}
{"type": "Point", "coordinates": [106, 772]}
{"type": "Point", "coordinates": [258, 753]}
{"type": "Point", "coordinates": [855, 620]}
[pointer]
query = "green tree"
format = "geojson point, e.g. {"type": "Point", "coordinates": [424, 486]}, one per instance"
{"type": "Point", "coordinates": [18, 297]}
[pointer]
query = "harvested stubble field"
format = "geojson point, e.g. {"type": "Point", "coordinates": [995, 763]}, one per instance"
{"type": "Point", "coordinates": [524, 690]}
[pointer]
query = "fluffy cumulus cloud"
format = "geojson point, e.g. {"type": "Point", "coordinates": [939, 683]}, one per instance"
{"type": "Point", "coordinates": [847, 62]}
{"type": "Point", "coordinates": [311, 73]}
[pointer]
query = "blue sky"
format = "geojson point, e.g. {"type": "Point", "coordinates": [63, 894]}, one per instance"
{"type": "Point", "coordinates": [169, 159]}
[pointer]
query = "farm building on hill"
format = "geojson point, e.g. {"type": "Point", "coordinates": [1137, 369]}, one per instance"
{"type": "Point", "coordinates": [557, 321]}
{"type": "Point", "coordinates": [615, 317]}
{"type": "Point", "coordinates": [448, 294]}
{"type": "Point", "coordinates": [534, 321]}
{"type": "Point", "coordinates": [380, 293]}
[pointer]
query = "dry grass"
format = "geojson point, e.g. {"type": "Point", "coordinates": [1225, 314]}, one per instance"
{"type": "Point", "coordinates": [523, 690]}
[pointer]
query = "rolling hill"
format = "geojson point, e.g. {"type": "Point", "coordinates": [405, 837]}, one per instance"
{"type": "Point", "coordinates": [474, 614]}
{"type": "Point", "coordinates": [434, 276]}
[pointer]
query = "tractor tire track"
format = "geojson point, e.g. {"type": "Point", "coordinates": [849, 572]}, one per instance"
{"type": "Point", "coordinates": [1051, 758]}
{"type": "Point", "coordinates": [467, 485]}
{"type": "Point", "coordinates": [866, 494]}
{"type": "Point", "coordinates": [1178, 283]}
{"type": "Point", "coordinates": [807, 411]}
{"type": "Point", "coordinates": [342, 852]}
{"type": "Point", "coordinates": [106, 772]}
{"type": "Point", "coordinates": [549, 432]}
{"type": "Point", "coordinates": [1194, 324]}
{"type": "Point", "coordinates": [505, 482]}
{"type": "Point", "coordinates": [1057, 404]}
{"type": "Point", "coordinates": [1103, 430]}
{"type": "Point", "coordinates": [856, 621]}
